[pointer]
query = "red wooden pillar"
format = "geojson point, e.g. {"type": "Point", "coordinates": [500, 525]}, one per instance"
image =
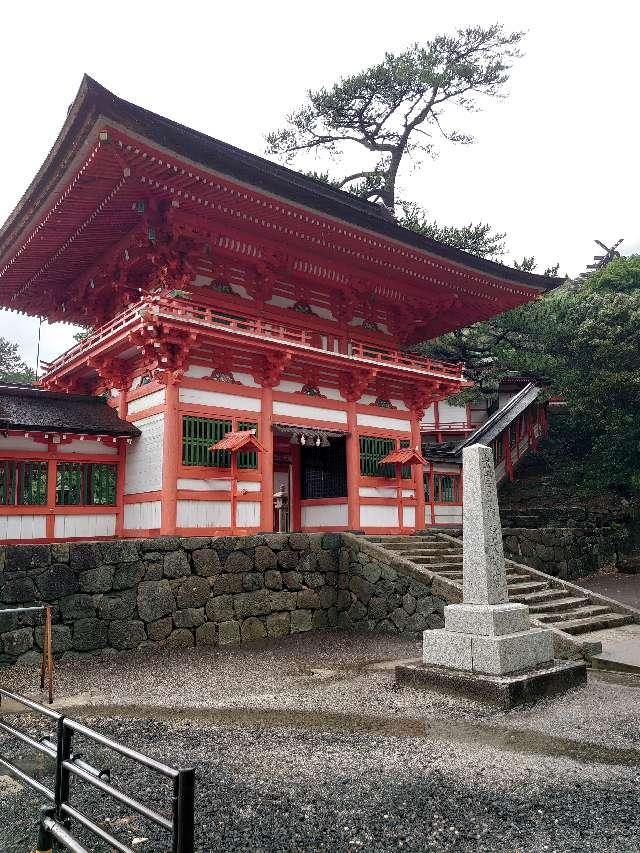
{"type": "Point", "coordinates": [171, 450]}
{"type": "Point", "coordinates": [122, 449]}
{"type": "Point", "coordinates": [353, 467]}
{"type": "Point", "coordinates": [432, 497]}
{"type": "Point", "coordinates": [295, 510]}
{"type": "Point", "coordinates": [418, 471]}
{"type": "Point", "coordinates": [52, 471]}
{"type": "Point", "coordinates": [265, 437]}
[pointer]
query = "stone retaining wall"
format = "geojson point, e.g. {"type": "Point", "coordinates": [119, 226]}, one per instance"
{"type": "Point", "coordinates": [173, 593]}
{"type": "Point", "coordinates": [567, 553]}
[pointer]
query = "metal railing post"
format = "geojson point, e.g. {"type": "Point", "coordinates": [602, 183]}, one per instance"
{"type": "Point", "coordinates": [185, 825]}
{"type": "Point", "coordinates": [63, 753]}
{"type": "Point", "coordinates": [45, 841]}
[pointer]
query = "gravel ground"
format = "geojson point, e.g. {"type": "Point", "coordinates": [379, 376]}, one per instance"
{"type": "Point", "coordinates": [305, 745]}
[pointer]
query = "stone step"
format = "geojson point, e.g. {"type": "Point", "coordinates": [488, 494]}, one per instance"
{"type": "Point", "coordinates": [454, 559]}
{"type": "Point", "coordinates": [516, 578]}
{"type": "Point", "coordinates": [596, 623]}
{"type": "Point", "coordinates": [570, 615]}
{"type": "Point", "coordinates": [544, 595]}
{"type": "Point", "coordinates": [453, 575]}
{"type": "Point", "coordinates": [557, 605]}
{"type": "Point", "coordinates": [418, 546]}
{"type": "Point", "coordinates": [529, 586]}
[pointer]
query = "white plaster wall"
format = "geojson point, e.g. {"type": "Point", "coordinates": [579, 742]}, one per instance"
{"type": "Point", "coordinates": [84, 526]}
{"type": "Point", "coordinates": [143, 471]}
{"type": "Point", "coordinates": [216, 398]}
{"type": "Point", "coordinates": [203, 514]}
{"type": "Point", "coordinates": [366, 399]}
{"type": "Point", "coordinates": [18, 442]}
{"type": "Point", "coordinates": [376, 492]}
{"type": "Point", "coordinates": [92, 448]}
{"type": "Point", "coordinates": [408, 493]}
{"type": "Point", "coordinates": [427, 515]}
{"type": "Point", "coordinates": [329, 515]}
{"type": "Point", "coordinates": [142, 516]}
{"type": "Point", "coordinates": [23, 527]}
{"type": "Point", "coordinates": [156, 398]}
{"type": "Point", "coordinates": [248, 514]}
{"type": "Point", "coordinates": [451, 414]}
{"type": "Point", "coordinates": [448, 514]}
{"type": "Point", "coordinates": [378, 516]}
{"type": "Point", "coordinates": [197, 371]}
{"type": "Point", "coordinates": [409, 516]}
{"type": "Point", "coordinates": [316, 413]}
{"type": "Point", "coordinates": [289, 387]}
{"type": "Point", "coordinates": [205, 485]}
{"type": "Point", "coordinates": [383, 423]}
{"type": "Point", "coordinates": [246, 379]}
{"type": "Point", "coordinates": [247, 486]}
{"type": "Point", "coordinates": [283, 302]}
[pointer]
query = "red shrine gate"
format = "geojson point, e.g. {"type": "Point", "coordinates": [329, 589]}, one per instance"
{"type": "Point", "coordinates": [226, 294]}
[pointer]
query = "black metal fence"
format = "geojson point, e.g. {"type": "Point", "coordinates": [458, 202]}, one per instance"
{"type": "Point", "coordinates": [59, 814]}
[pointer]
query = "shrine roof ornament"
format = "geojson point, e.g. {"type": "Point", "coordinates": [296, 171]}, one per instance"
{"type": "Point", "coordinates": [404, 456]}
{"type": "Point", "coordinates": [116, 169]}
{"type": "Point", "coordinates": [234, 441]}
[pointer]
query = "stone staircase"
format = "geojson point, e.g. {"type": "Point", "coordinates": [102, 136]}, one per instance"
{"type": "Point", "coordinates": [553, 603]}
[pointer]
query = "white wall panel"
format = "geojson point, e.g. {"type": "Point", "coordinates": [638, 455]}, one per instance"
{"type": "Point", "coordinates": [19, 442]}
{"type": "Point", "coordinates": [156, 398]}
{"type": "Point", "coordinates": [143, 472]}
{"type": "Point", "coordinates": [205, 485]}
{"type": "Point", "coordinates": [216, 398]}
{"type": "Point", "coordinates": [328, 515]}
{"type": "Point", "coordinates": [383, 423]}
{"type": "Point", "coordinates": [368, 399]}
{"type": "Point", "coordinates": [197, 371]}
{"type": "Point", "coordinates": [204, 514]}
{"type": "Point", "coordinates": [409, 516]}
{"type": "Point", "coordinates": [23, 527]}
{"type": "Point", "coordinates": [451, 414]}
{"type": "Point", "coordinates": [448, 514]}
{"type": "Point", "coordinates": [142, 516]}
{"type": "Point", "coordinates": [248, 514]}
{"type": "Point", "coordinates": [408, 493]}
{"type": "Point", "coordinates": [84, 526]}
{"type": "Point", "coordinates": [89, 447]}
{"type": "Point", "coordinates": [378, 516]}
{"type": "Point", "coordinates": [316, 413]}
{"type": "Point", "coordinates": [427, 515]}
{"type": "Point", "coordinates": [376, 492]}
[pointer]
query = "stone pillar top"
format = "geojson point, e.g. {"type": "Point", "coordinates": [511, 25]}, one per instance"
{"type": "Point", "coordinates": [484, 578]}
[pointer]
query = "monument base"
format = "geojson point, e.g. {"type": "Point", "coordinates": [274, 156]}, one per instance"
{"type": "Point", "coordinates": [506, 691]}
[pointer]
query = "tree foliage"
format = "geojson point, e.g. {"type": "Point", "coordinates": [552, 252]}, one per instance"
{"type": "Point", "coordinates": [404, 105]}
{"type": "Point", "coordinates": [12, 367]}
{"type": "Point", "coordinates": [584, 341]}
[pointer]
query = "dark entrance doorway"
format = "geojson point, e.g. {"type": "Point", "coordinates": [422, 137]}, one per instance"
{"type": "Point", "coordinates": [323, 469]}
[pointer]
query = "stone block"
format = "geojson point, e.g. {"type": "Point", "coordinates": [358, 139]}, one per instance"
{"type": "Point", "coordinates": [78, 606]}
{"type": "Point", "coordinates": [308, 598]}
{"type": "Point", "coordinates": [252, 581]}
{"type": "Point", "coordinates": [238, 562]}
{"type": "Point", "coordinates": [155, 600]}
{"type": "Point", "coordinates": [377, 608]}
{"type": "Point", "coordinates": [193, 591]}
{"type": "Point", "coordinates": [319, 620]}
{"type": "Point", "coordinates": [252, 629]}
{"type": "Point", "coordinates": [126, 634]}
{"type": "Point", "coordinates": [17, 591]}
{"type": "Point", "coordinates": [153, 571]}
{"type": "Point", "coordinates": [252, 603]}
{"type": "Point", "coordinates": [206, 635]}
{"type": "Point", "coordinates": [161, 543]}
{"type": "Point", "coordinates": [17, 642]}
{"type": "Point", "coordinates": [361, 588]}
{"type": "Point", "coordinates": [128, 574]}
{"type": "Point", "coordinates": [89, 634]}
{"type": "Point", "coordinates": [227, 584]}
{"type": "Point", "coordinates": [181, 638]}
{"type": "Point", "coordinates": [293, 580]}
{"type": "Point", "coordinates": [191, 617]}
{"type": "Point", "coordinates": [357, 612]}
{"type": "Point", "coordinates": [331, 541]}
{"type": "Point", "coordinates": [272, 579]}
{"type": "Point", "coordinates": [400, 618]}
{"type": "Point", "coordinates": [60, 552]}
{"type": "Point", "coordinates": [409, 603]}
{"type": "Point", "coordinates": [276, 541]}
{"type": "Point", "coordinates": [372, 572]}
{"type": "Point", "coordinates": [443, 648]}
{"type": "Point", "coordinates": [486, 620]}
{"type": "Point", "coordinates": [119, 551]}
{"type": "Point", "coordinates": [511, 652]}
{"type": "Point", "coordinates": [121, 607]}
{"type": "Point", "coordinates": [57, 581]}
{"type": "Point", "coordinates": [98, 579]}
{"type": "Point", "coordinates": [60, 638]}
{"type": "Point", "coordinates": [328, 596]}
{"type": "Point", "coordinates": [220, 608]}
{"type": "Point", "coordinates": [26, 557]}
{"type": "Point", "coordinates": [278, 624]}
{"type": "Point", "coordinates": [194, 543]}
{"type": "Point", "coordinates": [265, 559]}
{"type": "Point", "coordinates": [328, 561]}
{"type": "Point", "coordinates": [301, 620]}
{"type": "Point", "coordinates": [308, 563]}
{"type": "Point", "coordinates": [228, 633]}
{"type": "Point", "coordinates": [283, 600]}
{"type": "Point", "coordinates": [176, 565]}
{"type": "Point", "coordinates": [160, 630]}
{"type": "Point", "coordinates": [299, 541]}
{"type": "Point", "coordinates": [206, 562]}
{"type": "Point", "coordinates": [288, 559]}
{"type": "Point", "coordinates": [84, 556]}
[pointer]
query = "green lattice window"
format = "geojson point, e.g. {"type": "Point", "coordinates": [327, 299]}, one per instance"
{"type": "Point", "coordinates": [86, 484]}
{"type": "Point", "coordinates": [372, 449]}
{"type": "Point", "coordinates": [23, 483]}
{"type": "Point", "coordinates": [446, 489]}
{"type": "Point", "coordinates": [198, 434]}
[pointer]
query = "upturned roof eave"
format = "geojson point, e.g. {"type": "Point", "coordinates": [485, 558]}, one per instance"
{"type": "Point", "coordinates": [93, 101]}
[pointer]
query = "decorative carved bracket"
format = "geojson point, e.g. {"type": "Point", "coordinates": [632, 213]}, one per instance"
{"type": "Point", "coordinates": [354, 384]}
{"type": "Point", "coordinates": [268, 369]}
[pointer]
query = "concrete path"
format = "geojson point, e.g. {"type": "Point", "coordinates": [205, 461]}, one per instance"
{"type": "Point", "coordinates": [620, 646]}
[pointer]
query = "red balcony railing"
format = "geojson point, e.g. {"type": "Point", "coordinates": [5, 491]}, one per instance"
{"type": "Point", "coordinates": [234, 322]}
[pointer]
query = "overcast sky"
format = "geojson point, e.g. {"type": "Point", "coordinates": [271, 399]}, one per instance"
{"type": "Point", "coordinates": [555, 164]}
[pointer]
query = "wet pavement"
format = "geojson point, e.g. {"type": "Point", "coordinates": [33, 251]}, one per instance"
{"type": "Point", "coordinates": [306, 744]}
{"type": "Point", "coordinates": [623, 588]}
